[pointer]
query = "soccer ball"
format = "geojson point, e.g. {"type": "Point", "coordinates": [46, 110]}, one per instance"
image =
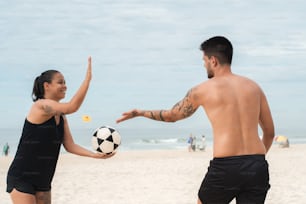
{"type": "Point", "coordinates": [105, 140]}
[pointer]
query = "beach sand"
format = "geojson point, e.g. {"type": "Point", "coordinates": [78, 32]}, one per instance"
{"type": "Point", "coordinates": [159, 177]}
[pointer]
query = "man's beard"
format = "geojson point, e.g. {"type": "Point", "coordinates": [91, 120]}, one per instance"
{"type": "Point", "coordinates": [210, 74]}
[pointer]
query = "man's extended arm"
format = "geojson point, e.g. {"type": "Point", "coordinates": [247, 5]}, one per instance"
{"type": "Point", "coordinates": [183, 109]}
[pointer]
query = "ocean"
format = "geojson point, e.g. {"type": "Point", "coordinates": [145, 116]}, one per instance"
{"type": "Point", "coordinates": [146, 55]}
{"type": "Point", "coordinates": [131, 139]}
{"type": "Point", "coordinates": [137, 138]}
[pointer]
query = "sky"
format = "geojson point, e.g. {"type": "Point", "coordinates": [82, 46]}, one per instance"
{"type": "Point", "coordinates": [146, 54]}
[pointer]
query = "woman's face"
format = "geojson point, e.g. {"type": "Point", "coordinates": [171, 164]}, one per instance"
{"type": "Point", "coordinates": [57, 88]}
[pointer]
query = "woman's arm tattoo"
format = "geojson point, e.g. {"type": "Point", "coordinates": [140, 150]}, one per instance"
{"type": "Point", "coordinates": [48, 109]}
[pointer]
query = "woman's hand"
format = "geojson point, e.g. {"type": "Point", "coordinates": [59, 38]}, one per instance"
{"type": "Point", "coordinates": [102, 155]}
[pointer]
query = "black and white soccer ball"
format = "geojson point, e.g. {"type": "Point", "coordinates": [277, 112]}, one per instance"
{"type": "Point", "coordinates": [106, 140]}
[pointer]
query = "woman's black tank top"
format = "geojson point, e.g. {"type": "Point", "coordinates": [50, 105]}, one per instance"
{"type": "Point", "coordinates": [37, 152]}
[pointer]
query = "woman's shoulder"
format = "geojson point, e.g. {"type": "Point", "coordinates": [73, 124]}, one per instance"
{"type": "Point", "coordinates": [40, 112]}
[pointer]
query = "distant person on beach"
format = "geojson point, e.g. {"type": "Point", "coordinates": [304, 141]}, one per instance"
{"type": "Point", "coordinates": [235, 105]}
{"type": "Point", "coordinates": [6, 149]}
{"type": "Point", "coordinates": [190, 142]}
{"type": "Point", "coordinates": [194, 143]}
{"type": "Point", "coordinates": [45, 129]}
{"type": "Point", "coordinates": [202, 147]}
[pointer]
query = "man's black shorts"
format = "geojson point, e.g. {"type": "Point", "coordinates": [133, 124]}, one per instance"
{"type": "Point", "coordinates": [245, 178]}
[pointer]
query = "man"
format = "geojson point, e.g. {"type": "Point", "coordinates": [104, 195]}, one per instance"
{"type": "Point", "coordinates": [190, 142]}
{"type": "Point", "coordinates": [235, 106]}
{"type": "Point", "coordinates": [203, 144]}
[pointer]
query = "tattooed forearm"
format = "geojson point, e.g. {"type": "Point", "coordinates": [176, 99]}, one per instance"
{"type": "Point", "coordinates": [152, 115]}
{"type": "Point", "coordinates": [161, 115]}
{"type": "Point", "coordinates": [183, 109]}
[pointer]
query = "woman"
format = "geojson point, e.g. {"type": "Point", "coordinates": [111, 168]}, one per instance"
{"type": "Point", "coordinates": [45, 129]}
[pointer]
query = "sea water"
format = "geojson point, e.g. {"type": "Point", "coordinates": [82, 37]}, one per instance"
{"type": "Point", "coordinates": [136, 139]}
{"type": "Point", "coordinates": [131, 139]}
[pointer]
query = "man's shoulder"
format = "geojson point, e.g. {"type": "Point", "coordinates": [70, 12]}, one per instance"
{"type": "Point", "coordinates": [202, 87]}
{"type": "Point", "coordinates": [245, 78]}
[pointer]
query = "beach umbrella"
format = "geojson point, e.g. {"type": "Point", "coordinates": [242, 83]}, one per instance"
{"type": "Point", "coordinates": [86, 118]}
{"type": "Point", "coordinates": [281, 138]}
{"type": "Point", "coordinates": [282, 141]}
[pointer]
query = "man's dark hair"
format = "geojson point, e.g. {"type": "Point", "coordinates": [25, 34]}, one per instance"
{"type": "Point", "coordinates": [219, 47]}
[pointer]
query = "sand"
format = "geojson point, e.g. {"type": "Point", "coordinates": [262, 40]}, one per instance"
{"type": "Point", "coordinates": [159, 177]}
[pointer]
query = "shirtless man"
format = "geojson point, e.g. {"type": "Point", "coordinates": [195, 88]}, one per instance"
{"type": "Point", "coordinates": [235, 105]}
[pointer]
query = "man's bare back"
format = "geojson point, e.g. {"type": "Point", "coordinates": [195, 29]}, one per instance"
{"type": "Point", "coordinates": [232, 104]}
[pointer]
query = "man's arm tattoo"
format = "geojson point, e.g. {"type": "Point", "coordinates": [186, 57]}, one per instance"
{"type": "Point", "coordinates": [161, 115]}
{"type": "Point", "coordinates": [134, 113]}
{"type": "Point", "coordinates": [185, 107]}
{"type": "Point", "coordinates": [152, 115]}
{"type": "Point", "coordinates": [177, 105]}
{"type": "Point", "coordinates": [188, 110]}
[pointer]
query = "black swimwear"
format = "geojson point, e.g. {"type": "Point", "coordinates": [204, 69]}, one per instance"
{"type": "Point", "coordinates": [35, 161]}
{"type": "Point", "coordinates": [245, 178]}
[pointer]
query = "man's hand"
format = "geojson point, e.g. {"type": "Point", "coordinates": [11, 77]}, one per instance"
{"type": "Point", "coordinates": [128, 115]}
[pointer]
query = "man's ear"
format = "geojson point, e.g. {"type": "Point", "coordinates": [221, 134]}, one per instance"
{"type": "Point", "coordinates": [214, 61]}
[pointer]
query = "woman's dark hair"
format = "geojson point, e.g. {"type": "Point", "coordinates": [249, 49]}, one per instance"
{"type": "Point", "coordinates": [38, 87]}
{"type": "Point", "coordinates": [220, 47]}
